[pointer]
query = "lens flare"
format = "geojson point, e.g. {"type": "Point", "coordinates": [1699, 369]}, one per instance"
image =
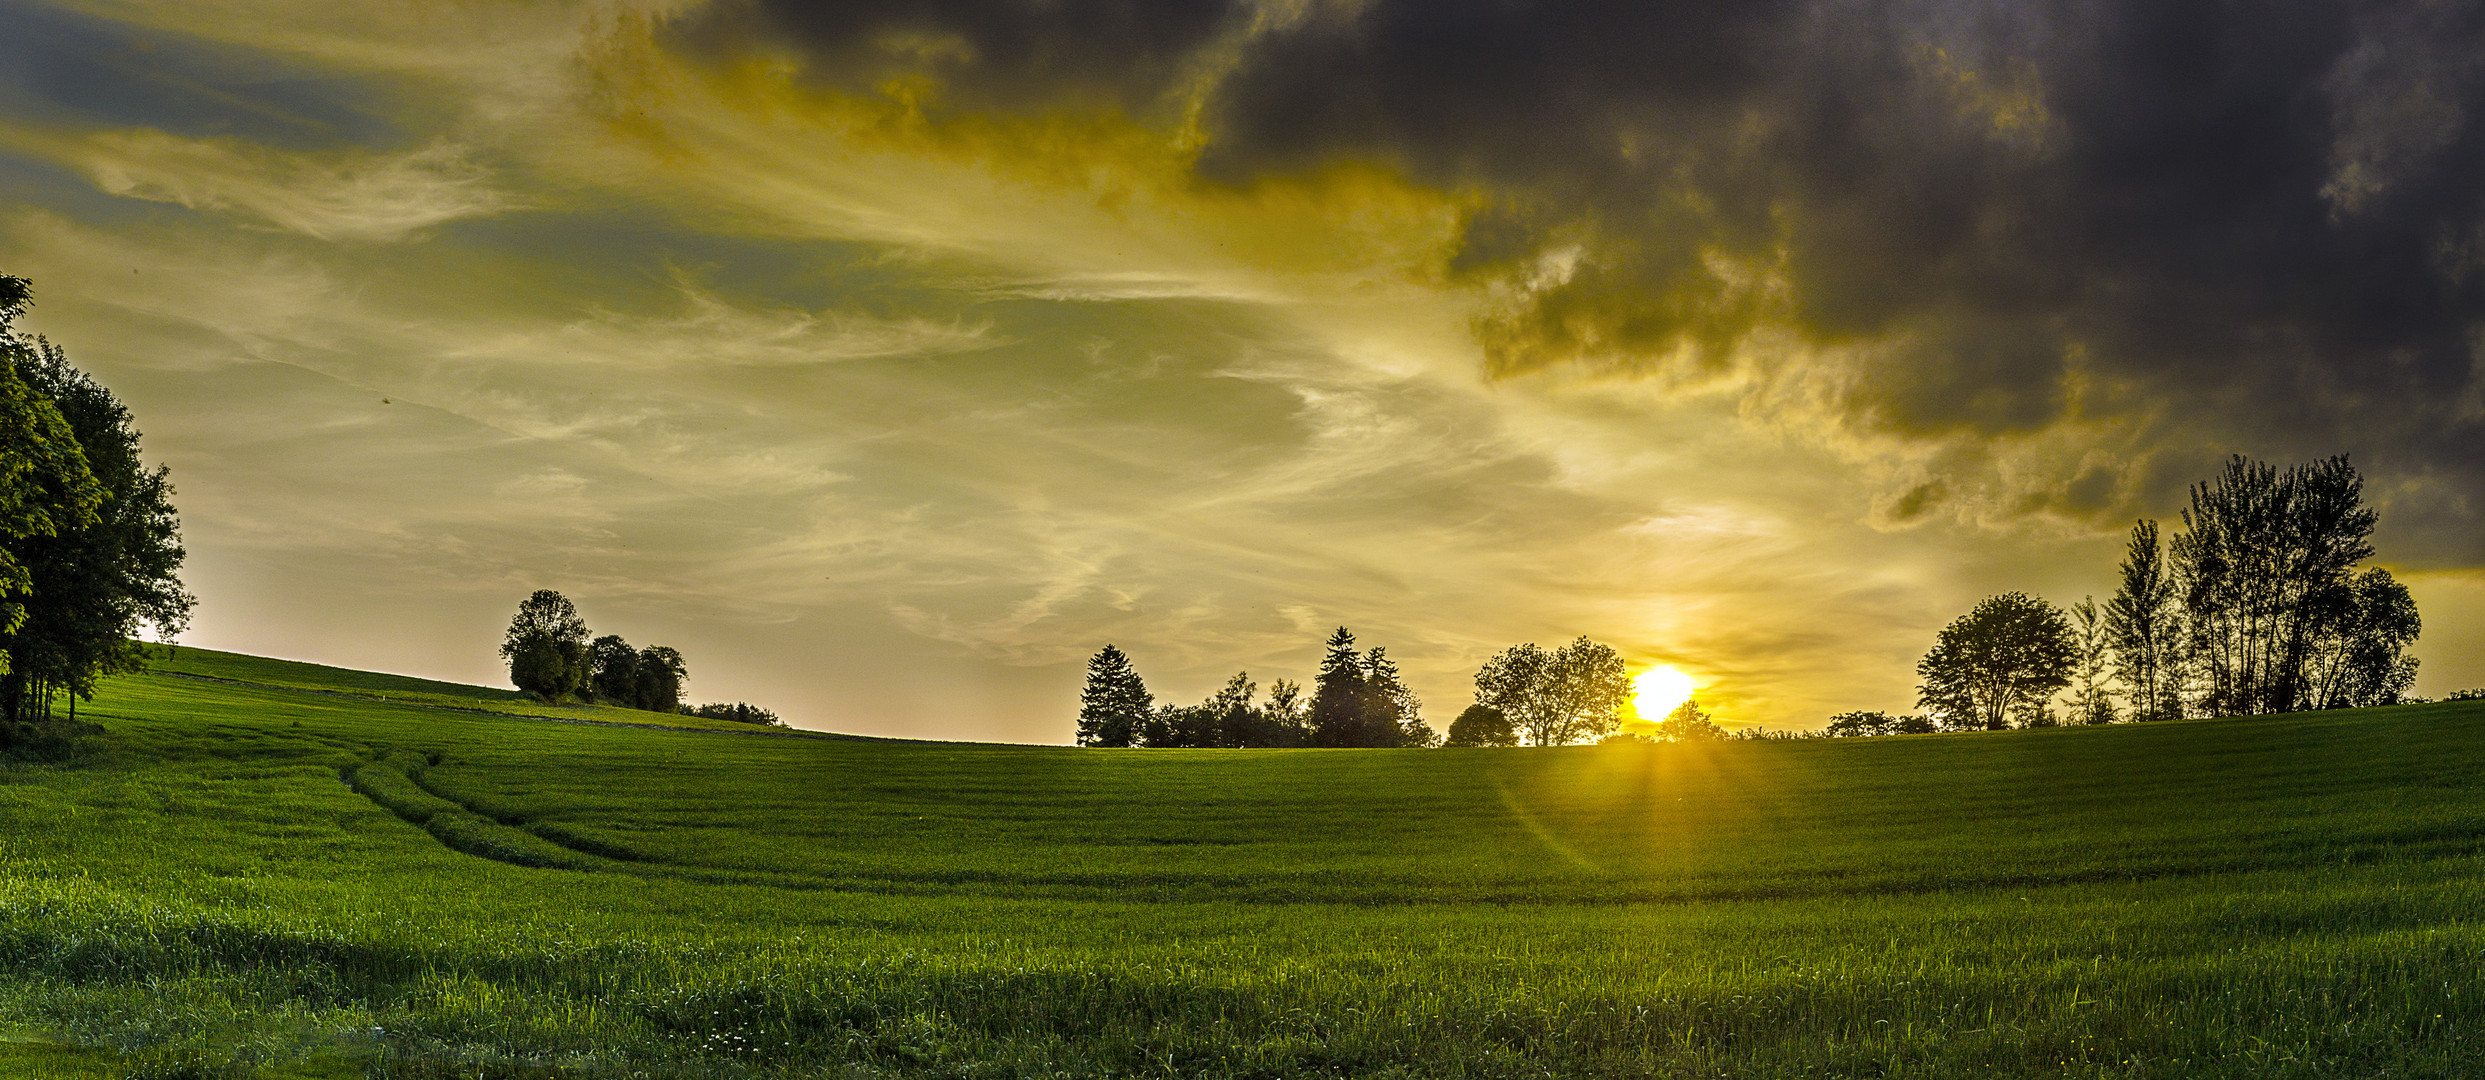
{"type": "Point", "coordinates": [1658, 690]}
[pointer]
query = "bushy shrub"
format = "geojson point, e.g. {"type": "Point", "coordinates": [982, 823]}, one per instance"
{"type": "Point", "coordinates": [738, 712]}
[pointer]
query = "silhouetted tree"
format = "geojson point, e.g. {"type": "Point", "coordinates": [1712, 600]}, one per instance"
{"type": "Point", "coordinates": [1342, 709]}
{"type": "Point", "coordinates": [1860, 724]}
{"type": "Point", "coordinates": [1481, 725]}
{"type": "Point", "coordinates": [612, 671]}
{"type": "Point", "coordinates": [2005, 657]}
{"type": "Point", "coordinates": [92, 581]}
{"type": "Point", "coordinates": [1392, 704]}
{"type": "Point", "coordinates": [2091, 659]}
{"type": "Point", "coordinates": [1571, 694]}
{"type": "Point", "coordinates": [1689, 723]}
{"type": "Point", "coordinates": [546, 647]}
{"type": "Point", "coordinates": [2144, 628]}
{"type": "Point", "coordinates": [659, 672]}
{"type": "Point", "coordinates": [2258, 563]}
{"type": "Point", "coordinates": [738, 712]}
{"type": "Point", "coordinates": [1115, 704]}
{"type": "Point", "coordinates": [1288, 714]}
{"type": "Point", "coordinates": [2358, 655]}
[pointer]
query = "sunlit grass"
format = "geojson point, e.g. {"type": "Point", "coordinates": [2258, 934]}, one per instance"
{"type": "Point", "coordinates": [2289, 896]}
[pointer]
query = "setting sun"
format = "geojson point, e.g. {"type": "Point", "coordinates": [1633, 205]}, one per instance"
{"type": "Point", "coordinates": [1659, 690]}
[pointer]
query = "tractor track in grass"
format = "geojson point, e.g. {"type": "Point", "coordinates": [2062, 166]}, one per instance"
{"type": "Point", "coordinates": [386, 700]}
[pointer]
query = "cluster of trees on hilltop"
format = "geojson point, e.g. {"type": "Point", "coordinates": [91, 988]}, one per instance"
{"type": "Point", "coordinates": [90, 548]}
{"type": "Point", "coordinates": [1358, 699]}
{"type": "Point", "coordinates": [1524, 695]}
{"type": "Point", "coordinates": [2257, 606]}
{"type": "Point", "coordinates": [552, 656]}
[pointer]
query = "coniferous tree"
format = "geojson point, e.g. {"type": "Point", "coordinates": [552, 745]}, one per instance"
{"type": "Point", "coordinates": [546, 646]}
{"type": "Point", "coordinates": [1341, 696]}
{"type": "Point", "coordinates": [2143, 627]}
{"type": "Point", "coordinates": [1395, 713]}
{"type": "Point", "coordinates": [1115, 705]}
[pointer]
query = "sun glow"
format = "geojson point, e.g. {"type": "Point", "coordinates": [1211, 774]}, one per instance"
{"type": "Point", "coordinates": [1659, 690]}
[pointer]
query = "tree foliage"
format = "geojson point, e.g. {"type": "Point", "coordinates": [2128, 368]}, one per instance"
{"type": "Point", "coordinates": [1689, 723]}
{"type": "Point", "coordinates": [2092, 662]}
{"type": "Point", "coordinates": [739, 712]}
{"type": "Point", "coordinates": [2358, 655]}
{"type": "Point", "coordinates": [659, 674]}
{"type": "Point", "coordinates": [1571, 694]}
{"type": "Point", "coordinates": [612, 671]}
{"type": "Point", "coordinates": [2006, 657]}
{"type": "Point", "coordinates": [1869, 724]}
{"type": "Point", "coordinates": [90, 546]}
{"type": "Point", "coordinates": [2144, 629]}
{"type": "Point", "coordinates": [546, 646]}
{"type": "Point", "coordinates": [1115, 703]}
{"type": "Point", "coordinates": [2262, 566]}
{"type": "Point", "coordinates": [1481, 725]}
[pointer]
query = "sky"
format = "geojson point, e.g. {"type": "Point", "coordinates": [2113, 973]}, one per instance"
{"type": "Point", "coordinates": [890, 357]}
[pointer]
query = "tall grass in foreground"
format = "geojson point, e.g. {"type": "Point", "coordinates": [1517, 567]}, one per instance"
{"type": "Point", "coordinates": [2297, 896]}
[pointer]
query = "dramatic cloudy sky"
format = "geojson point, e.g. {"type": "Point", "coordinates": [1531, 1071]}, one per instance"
{"type": "Point", "coordinates": [889, 358]}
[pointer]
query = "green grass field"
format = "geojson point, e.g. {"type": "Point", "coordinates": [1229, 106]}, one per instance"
{"type": "Point", "coordinates": [295, 675]}
{"type": "Point", "coordinates": [253, 878]}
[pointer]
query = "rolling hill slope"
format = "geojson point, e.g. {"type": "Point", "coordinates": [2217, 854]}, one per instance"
{"type": "Point", "coordinates": [284, 870]}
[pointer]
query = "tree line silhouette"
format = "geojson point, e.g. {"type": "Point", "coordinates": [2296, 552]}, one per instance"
{"type": "Point", "coordinates": [1526, 693]}
{"type": "Point", "coordinates": [2256, 606]}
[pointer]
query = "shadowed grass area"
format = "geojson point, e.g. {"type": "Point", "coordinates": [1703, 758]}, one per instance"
{"type": "Point", "coordinates": [2284, 896]}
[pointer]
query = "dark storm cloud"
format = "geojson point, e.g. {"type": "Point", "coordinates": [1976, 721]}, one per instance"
{"type": "Point", "coordinates": [1008, 54]}
{"type": "Point", "coordinates": [2250, 227]}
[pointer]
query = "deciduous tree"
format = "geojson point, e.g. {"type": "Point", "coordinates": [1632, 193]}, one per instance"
{"type": "Point", "coordinates": [1481, 725]}
{"type": "Point", "coordinates": [2261, 554]}
{"type": "Point", "coordinates": [1689, 723]}
{"type": "Point", "coordinates": [2009, 654]}
{"type": "Point", "coordinates": [612, 671]}
{"type": "Point", "coordinates": [95, 581]}
{"type": "Point", "coordinates": [660, 672]}
{"type": "Point", "coordinates": [1571, 694]}
{"type": "Point", "coordinates": [2144, 629]}
{"type": "Point", "coordinates": [546, 646]}
{"type": "Point", "coordinates": [2091, 702]}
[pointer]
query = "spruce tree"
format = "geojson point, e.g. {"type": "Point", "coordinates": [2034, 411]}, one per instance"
{"type": "Point", "coordinates": [1116, 705]}
{"type": "Point", "coordinates": [1340, 695]}
{"type": "Point", "coordinates": [1394, 712]}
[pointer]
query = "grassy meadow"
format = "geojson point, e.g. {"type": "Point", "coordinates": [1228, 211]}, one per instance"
{"type": "Point", "coordinates": [303, 872]}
